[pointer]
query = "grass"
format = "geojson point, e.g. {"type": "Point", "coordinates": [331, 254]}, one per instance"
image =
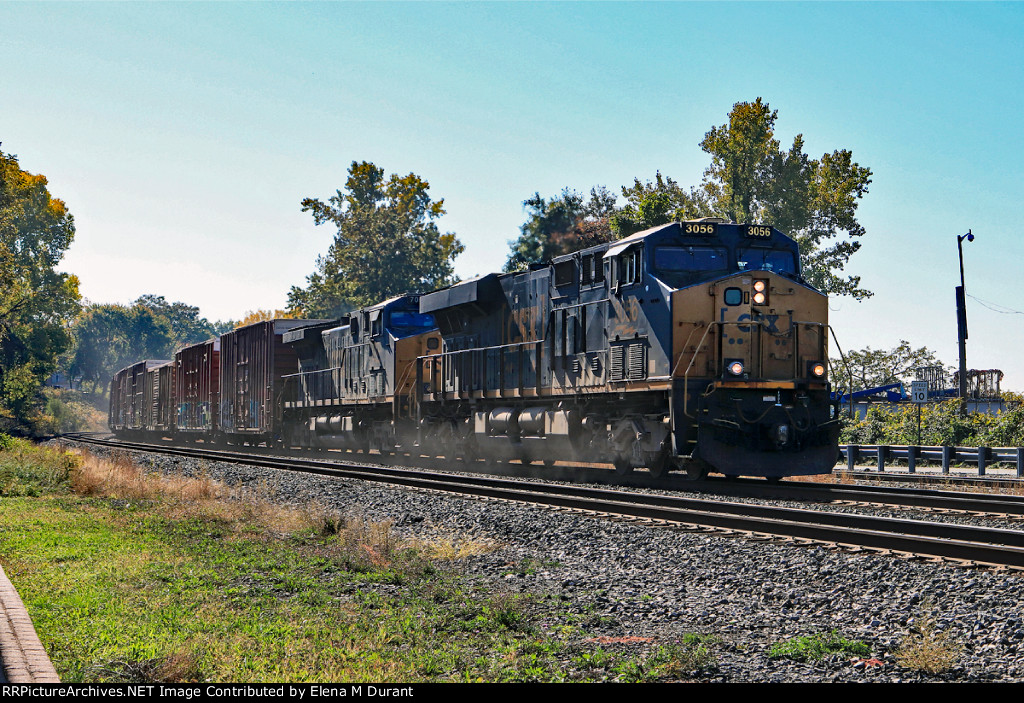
{"type": "Point", "coordinates": [132, 577]}
{"type": "Point", "coordinates": [926, 648]}
{"type": "Point", "coordinates": [817, 647]}
{"type": "Point", "coordinates": [27, 470]}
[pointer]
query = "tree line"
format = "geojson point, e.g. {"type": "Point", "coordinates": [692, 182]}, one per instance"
{"type": "Point", "coordinates": [388, 241]}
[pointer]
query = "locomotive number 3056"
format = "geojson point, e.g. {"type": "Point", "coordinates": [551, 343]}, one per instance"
{"type": "Point", "coordinates": [698, 228]}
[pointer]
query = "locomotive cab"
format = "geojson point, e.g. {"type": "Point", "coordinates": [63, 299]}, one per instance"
{"type": "Point", "coordinates": [750, 387]}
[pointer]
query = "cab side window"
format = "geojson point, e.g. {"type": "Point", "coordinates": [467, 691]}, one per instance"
{"type": "Point", "coordinates": [629, 267]}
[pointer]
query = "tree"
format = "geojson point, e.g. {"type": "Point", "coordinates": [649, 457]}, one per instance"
{"type": "Point", "coordinates": [36, 301]}
{"type": "Point", "coordinates": [253, 316]}
{"type": "Point", "coordinates": [657, 203]}
{"type": "Point", "coordinates": [872, 368]}
{"type": "Point", "coordinates": [387, 243]}
{"type": "Point", "coordinates": [184, 322]}
{"type": "Point", "coordinates": [561, 225]}
{"type": "Point", "coordinates": [110, 337]}
{"type": "Point", "coordinates": [751, 179]}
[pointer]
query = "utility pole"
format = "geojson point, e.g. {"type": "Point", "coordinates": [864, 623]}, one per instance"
{"type": "Point", "coordinates": [961, 320]}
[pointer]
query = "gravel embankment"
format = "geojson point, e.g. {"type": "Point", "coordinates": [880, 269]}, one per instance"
{"type": "Point", "coordinates": [626, 579]}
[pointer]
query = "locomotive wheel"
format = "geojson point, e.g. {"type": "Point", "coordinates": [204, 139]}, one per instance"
{"type": "Point", "coordinates": [696, 470]}
{"type": "Point", "coordinates": [660, 465]}
{"type": "Point", "coordinates": [623, 466]}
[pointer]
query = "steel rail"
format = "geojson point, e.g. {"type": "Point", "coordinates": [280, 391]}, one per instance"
{"type": "Point", "coordinates": [998, 547]}
{"type": "Point", "coordinates": [973, 503]}
{"type": "Point", "coordinates": [989, 503]}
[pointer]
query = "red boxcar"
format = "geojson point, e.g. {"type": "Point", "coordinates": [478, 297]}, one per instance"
{"type": "Point", "coordinates": [253, 361]}
{"type": "Point", "coordinates": [197, 388]}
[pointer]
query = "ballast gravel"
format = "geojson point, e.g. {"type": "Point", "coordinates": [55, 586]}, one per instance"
{"type": "Point", "coordinates": [637, 585]}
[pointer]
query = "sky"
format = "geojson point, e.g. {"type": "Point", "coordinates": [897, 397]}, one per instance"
{"type": "Point", "coordinates": [184, 136]}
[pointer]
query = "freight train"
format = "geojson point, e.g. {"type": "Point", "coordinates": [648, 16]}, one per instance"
{"type": "Point", "coordinates": [694, 346]}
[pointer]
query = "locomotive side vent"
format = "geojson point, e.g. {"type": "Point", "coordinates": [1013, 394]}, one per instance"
{"type": "Point", "coordinates": [617, 366]}
{"type": "Point", "coordinates": [637, 361]}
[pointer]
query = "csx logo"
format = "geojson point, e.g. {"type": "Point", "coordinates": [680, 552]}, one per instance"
{"type": "Point", "coordinates": [768, 321]}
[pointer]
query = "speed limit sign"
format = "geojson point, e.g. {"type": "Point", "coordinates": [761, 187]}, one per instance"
{"type": "Point", "coordinates": [919, 391]}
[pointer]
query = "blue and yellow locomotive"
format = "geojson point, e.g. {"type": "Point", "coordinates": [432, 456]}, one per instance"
{"type": "Point", "coordinates": [693, 345]}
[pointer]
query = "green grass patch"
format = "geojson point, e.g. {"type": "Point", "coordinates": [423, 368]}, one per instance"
{"type": "Point", "coordinates": [815, 647]}
{"type": "Point", "coordinates": [28, 470]}
{"type": "Point", "coordinates": [138, 586]}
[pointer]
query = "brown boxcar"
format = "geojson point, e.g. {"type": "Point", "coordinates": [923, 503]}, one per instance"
{"type": "Point", "coordinates": [128, 396]}
{"type": "Point", "coordinates": [118, 403]}
{"type": "Point", "coordinates": [158, 399]}
{"type": "Point", "coordinates": [253, 361]}
{"type": "Point", "coordinates": [197, 388]}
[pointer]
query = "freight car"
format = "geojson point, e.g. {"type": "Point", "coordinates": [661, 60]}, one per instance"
{"type": "Point", "coordinates": [134, 408]}
{"type": "Point", "coordinates": [694, 346]}
{"type": "Point", "coordinates": [197, 390]}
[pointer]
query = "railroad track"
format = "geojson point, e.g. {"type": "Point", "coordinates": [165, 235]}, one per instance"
{"type": "Point", "coordinates": [963, 544]}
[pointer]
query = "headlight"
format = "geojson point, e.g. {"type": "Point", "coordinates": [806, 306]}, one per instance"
{"type": "Point", "coordinates": [734, 367]}
{"type": "Point", "coordinates": [817, 369]}
{"type": "Point", "coordinates": [760, 296]}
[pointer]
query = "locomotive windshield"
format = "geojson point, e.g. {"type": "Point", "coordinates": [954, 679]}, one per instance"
{"type": "Point", "coordinates": [406, 322]}
{"type": "Point", "coordinates": [754, 258]}
{"type": "Point", "coordinates": [681, 266]}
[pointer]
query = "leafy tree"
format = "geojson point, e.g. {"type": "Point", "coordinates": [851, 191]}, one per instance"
{"type": "Point", "coordinates": [254, 316]}
{"type": "Point", "coordinates": [36, 301]}
{"type": "Point", "coordinates": [872, 368]}
{"type": "Point", "coordinates": [387, 243]}
{"type": "Point", "coordinates": [110, 337]}
{"type": "Point", "coordinates": [751, 179]}
{"type": "Point", "coordinates": [657, 203]}
{"type": "Point", "coordinates": [561, 225]}
{"type": "Point", "coordinates": [185, 324]}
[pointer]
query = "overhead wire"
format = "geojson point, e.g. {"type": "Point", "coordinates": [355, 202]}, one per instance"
{"type": "Point", "coordinates": [994, 306]}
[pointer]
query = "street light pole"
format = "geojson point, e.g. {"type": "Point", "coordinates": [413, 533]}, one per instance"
{"type": "Point", "coordinates": [961, 319]}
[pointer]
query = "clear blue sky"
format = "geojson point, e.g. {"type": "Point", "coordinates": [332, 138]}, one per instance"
{"type": "Point", "coordinates": [184, 136]}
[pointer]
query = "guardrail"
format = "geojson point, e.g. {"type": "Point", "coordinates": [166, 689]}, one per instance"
{"type": "Point", "coordinates": [982, 457]}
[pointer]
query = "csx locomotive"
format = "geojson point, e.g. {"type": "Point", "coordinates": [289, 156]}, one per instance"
{"type": "Point", "coordinates": [694, 346]}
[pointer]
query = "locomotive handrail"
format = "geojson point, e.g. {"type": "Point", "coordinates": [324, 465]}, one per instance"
{"type": "Point", "coordinates": [446, 358]}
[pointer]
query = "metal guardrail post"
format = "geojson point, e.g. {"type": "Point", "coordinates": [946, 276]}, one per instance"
{"type": "Point", "coordinates": [851, 456]}
{"type": "Point", "coordinates": [882, 451]}
{"type": "Point", "coordinates": [982, 460]}
{"type": "Point", "coordinates": [947, 455]}
{"type": "Point", "coordinates": [912, 459]}
{"type": "Point", "coordinates": [1020, 462]}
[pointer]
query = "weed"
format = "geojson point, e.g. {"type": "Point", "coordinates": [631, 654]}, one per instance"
{"type": "Point", "coordinates": [450, 549]}
{"type": "Point", "coordinates": [178, 667]}
{"type": "Point", "coordinates": [815, 647]}
{"type": "Point", "coordinates": [692, 654]}
{"type": "Point", "coordinates": [365, 545]}
{"type": "Point", "coordinates": [926, 648]}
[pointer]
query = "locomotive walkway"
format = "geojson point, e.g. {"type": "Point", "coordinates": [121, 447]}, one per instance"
{"type": "Point", "coordinates": [22, 657]}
